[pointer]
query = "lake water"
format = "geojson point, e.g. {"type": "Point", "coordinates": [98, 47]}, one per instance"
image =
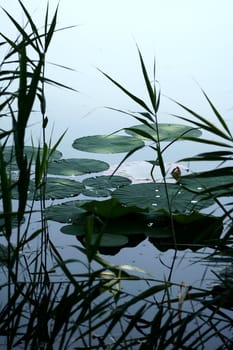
{"type": "Point", "coordinates": [192, 42]}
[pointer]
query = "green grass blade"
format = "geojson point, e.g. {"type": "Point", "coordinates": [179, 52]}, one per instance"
{"type": "Point", "coordinates": [142, 133]}
{"type": "Point", "coordinates": [150, 90]}
{"type": "Point", "coordinates": [206, 123]}
{"type": "Point", "coordinates": [218, 115]}
{"type": "Point", "coordinates": [206, 141]}
{"type": "Point", "coordinates": [133, 97]}
{"type": "Point", "coordinates": [33, 26]}
{"type": "Point", "coordinates": [132, 325]}
{"type": "Point", "coordinates": [5, 194]}
{"type": "Point", "coordinates": [22, 86]}
{"type": "Point", "coordinates": [24, 34]}
{"type": "Point", "coordinates": [126, 157]}
{"type": "Point", "coordinates": [51, 31]}
{"type": "Point", "coordinates": [206, 126]}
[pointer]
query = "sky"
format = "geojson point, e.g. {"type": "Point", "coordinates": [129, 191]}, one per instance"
{"type": "Point", "coordinates": [190, 40]}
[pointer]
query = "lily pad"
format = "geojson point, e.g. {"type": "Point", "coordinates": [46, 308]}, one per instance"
{"type": "Point", "coordinates": [107, 143]}
{"type": "Point", "coordinates": [167, 132]}
{"type": "Point", "coordinates": [103, 182]}
{"type": "Point", "coordinates": [57, 188]}
{"type": "Point", "coordinates": [30, 151]}
{"type": "Point", "coordinates": [95, 192]}
{"type": "Point", "coordinates": [217, 182]}
{"type": "Point", "coordinates": [153, 196]}
{"type": "Point", "coordinates": [65, 212]}
{"type": "Point", "coordinates": [102, 186]}
{"type": "Point", "coordinates": [74, 166]}
{"type": "Point", "coordinates": [77, 228]}
{"type": "Point", "coordinates": [110, 208]}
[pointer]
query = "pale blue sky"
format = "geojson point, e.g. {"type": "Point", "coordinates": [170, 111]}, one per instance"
{"type": "Point", "coordinates": [191, 40]}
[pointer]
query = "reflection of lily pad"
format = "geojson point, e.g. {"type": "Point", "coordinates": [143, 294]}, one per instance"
{"type": "Point", "coordinates": [193, 231]}
{"type": "Point", "coordinates": [109, 240]}
{"type": "Point", "coordinates": [167, 132]}
{"type": "Point", "coordinates": [153, 197]}
{"type": "Point", "coordinates": [107, 143]}
{"type": "Point", "coordinates": [69, 167]}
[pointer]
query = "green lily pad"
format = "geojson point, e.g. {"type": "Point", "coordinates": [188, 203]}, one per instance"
{"type": "Point", "coordinates": [102, 186]}
{"type": "Point", "coordinates": [110, 208]}
{"type": "Point", "coordinates": [167, 132]}
{"type": "Point", "coordinates": [72, 167]}
{"type": "Point", "coordinates": [107, 143]}
{"type": "Point", "coordinates": [30, 151]}
{"type": "Point", "coordinates": [67, 212]}
{"type": "Point", "coordinates": [152, 196]}
{"type": "Point", "coordinates": [95, 192]}
{"type": "Point", "coordinates": [217, 182]}
{"type": "Point", "coordinates": [77, 228]}
{"type": "Point", "coordinates": [103, 182]}
{"type": "Point", "coordinates": [57, 188]}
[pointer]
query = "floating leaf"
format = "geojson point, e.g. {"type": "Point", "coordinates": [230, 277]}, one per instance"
{"type": "Point", "coordinates": [167, 132]}
{"type": "Point", "coordinates": [30, 152]}
{"type": "Point", "coordinates": [65, 212]}
{"type": "Point", "coordinates": [78, 228]}
{"type": "Point", "coordinates": [107, 143]}
{"type": "Point", "coordinates": [95, 192]}
{"type": "Point", "coordinates": [69, 167]}
{"type": "Point", "coordinates": [153, 197]}
{"type": "Point", "coordinates": [218, 182]}
{"type": "Point", "coordinates": [110, 208]}
{"type": "Point", "coordinates": [57, 188]}
{"type": "Point", "coordinates": [101, 186]}
{"type": "Point", "coordinates": [103, 182]}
